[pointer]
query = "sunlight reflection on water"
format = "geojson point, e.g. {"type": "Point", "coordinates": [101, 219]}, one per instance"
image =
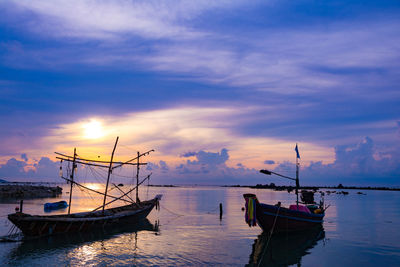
{"type": "Point", "coordinates": [363, 227]}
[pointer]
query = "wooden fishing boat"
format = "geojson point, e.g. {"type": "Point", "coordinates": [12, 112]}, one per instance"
{"type": "Point", "coordinates": [275, 218]}
{"type": "Point", "coordinates": [281, 219]}
{"type": "Point", "coordinates": [40, 225]}
{"type": "Point", "coordinates": [133, 212]}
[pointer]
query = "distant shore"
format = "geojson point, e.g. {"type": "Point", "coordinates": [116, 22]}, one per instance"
{"type": "Point", "coordinates": [22, 191]}
{"type": "Point", "coordinates": [162, 185]}
{"type": "Point", "coordinates": [290, 188]}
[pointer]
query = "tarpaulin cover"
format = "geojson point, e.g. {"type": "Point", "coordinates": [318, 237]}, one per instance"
{"type": "Point", "coordinates": [301, 208]}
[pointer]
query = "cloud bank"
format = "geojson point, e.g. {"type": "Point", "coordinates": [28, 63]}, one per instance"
{"type": "Point", "coordinates": [357, 164]}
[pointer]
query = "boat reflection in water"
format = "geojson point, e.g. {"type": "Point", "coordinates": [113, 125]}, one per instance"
{"type": "Point", "coordinates": [61, 241]}
{"type": "Point", "coordinates": [284, 249]}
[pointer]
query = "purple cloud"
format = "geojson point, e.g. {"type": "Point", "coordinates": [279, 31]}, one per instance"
{"type": "Point", "coordinates": [211, 158]}
{"type": "Point", "coordinates": [24, 157]}
{"type": "Point", "coordinates": [13, 168]}
{"type": "Point", "coordinates": [45, 170]}
{"type": "Point", "coordinates": [188, 154]}
{"type": "Point", "coordinates": [353, 165]}
{"type": "Point", "coordinates": [161, 166]}
{"type": "Point", "coordinates": [269, 162]}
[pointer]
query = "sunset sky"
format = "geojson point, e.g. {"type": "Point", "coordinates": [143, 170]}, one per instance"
{"type": "Point", "coordinates": [220, 89]}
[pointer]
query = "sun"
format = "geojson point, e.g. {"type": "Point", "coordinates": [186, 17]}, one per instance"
{"type": "Point", "coordinates": [93, 129]}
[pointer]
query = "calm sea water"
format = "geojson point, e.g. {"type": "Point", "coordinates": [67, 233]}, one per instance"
{"type": "Point", "coordinates": [359, 230]}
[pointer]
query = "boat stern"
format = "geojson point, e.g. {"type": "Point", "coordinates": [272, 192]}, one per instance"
{"type": "Point", "coordinates": [251, 208]}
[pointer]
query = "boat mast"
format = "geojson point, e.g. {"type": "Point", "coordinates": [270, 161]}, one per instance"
{"type": "Point", "coordinates": [72, 181]}
{"type": "Point", "coordinates": [109, 173]}
{"type": "Point", "coordinates": [297, 176]}
{"type": "Point", "coordinates": [137, 178]}
{"type": "Point", "coordinates": [297, 181]}
{"type": "Point", "coordinates": [267, 172]}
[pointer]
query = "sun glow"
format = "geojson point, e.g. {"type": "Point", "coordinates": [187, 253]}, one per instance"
{"type": "Point", "coordinates": [93, 186]}
{"type": "Point", "coordinates": [173, 132]}
{"type": "Point", "coordinates": [93, 129]}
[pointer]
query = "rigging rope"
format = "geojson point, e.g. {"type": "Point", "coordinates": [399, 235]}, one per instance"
{"type": "Point", "coordinates": [147, 191]}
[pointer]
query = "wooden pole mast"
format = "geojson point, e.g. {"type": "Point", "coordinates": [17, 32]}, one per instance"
{"type": "Point", "coordinates": [297, 179]}
{"type": "Point", "coordinates": [137, 178]}
{"type": "Point", "coordinates": [72, 183]}
{"type": "Point", "coordinates": [109, 173]}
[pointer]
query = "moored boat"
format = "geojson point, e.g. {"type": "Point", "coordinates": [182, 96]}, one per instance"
{"type": "Point", "coordinates": [40, 225]}
{"type": "Point", "coordinates": [131, 213]}
{"type": "Point", "coordinates": [55, 205]}
{"type": "Point", "coordinates": [281, 219]}
{"type": "Point", "coordinates": [276, 218]}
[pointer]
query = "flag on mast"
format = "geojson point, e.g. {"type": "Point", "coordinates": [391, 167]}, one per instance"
{"type": "Point", "coordinates": [297, 151]}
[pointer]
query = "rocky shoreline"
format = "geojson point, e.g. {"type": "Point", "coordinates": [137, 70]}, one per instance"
{"type": "Point", "coordinates": [23, 191]}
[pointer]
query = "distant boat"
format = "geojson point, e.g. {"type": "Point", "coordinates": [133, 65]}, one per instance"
{"type": "Point", "coordinates": [275, 218]}
{"type": "Point", "coordinates": [55, 205]}
{"type": "Point", "coordinates": [132, 213]}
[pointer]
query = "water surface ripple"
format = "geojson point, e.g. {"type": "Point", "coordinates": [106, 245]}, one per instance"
{"type": "Point", "coordinates": [358, 230]}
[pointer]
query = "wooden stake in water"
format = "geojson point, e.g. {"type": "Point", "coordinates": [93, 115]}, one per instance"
{"type": "Point", "coordinates": [137, 177]}
{"type": "Point", "coordinates": [21, 204]}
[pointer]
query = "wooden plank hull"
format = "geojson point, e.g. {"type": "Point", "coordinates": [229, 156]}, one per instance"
{"type": "Point", "coordinates": [36, 225]}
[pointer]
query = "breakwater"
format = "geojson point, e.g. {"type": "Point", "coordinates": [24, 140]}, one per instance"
{"type": "Point", "coordinates": [28, 191]}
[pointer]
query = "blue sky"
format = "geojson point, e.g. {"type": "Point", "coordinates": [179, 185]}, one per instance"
{"type": "Point", "coordinates": [219, 89]}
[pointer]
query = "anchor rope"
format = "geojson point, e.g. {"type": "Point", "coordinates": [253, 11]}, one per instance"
{"type": "Point", "coordinates": [270, 235]}
{"type": "Point", "coordinates": [170, 211]}
{"type": "Point", "coordinates": [177, 214]}
{"type": "Point", "coordinates": [211, 211]}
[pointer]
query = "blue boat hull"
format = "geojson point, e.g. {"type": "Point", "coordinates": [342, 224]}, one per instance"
{"type": "Point", "coordinates": [55, 206]}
